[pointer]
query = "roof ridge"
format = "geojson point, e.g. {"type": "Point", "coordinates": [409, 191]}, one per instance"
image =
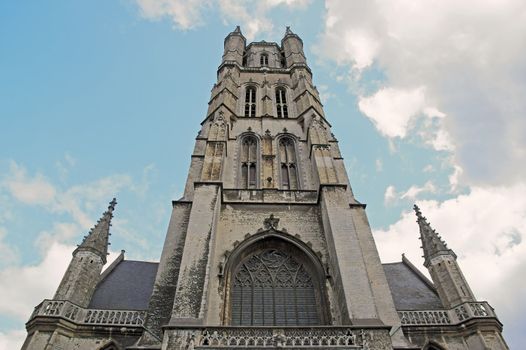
{"type": "Point", "coordinates": [418, 273]}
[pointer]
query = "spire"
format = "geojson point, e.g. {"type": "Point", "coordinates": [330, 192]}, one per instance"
{"type": "Point", "coordinates": [432, 243]}
{"type": "Point", "coordinates": [288, 31]}
{"type": "Point", "coordinates": [97, 239]}
{"type": "Point", "coordinates": [237, 30]}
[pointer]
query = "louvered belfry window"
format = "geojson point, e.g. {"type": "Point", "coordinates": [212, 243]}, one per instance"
{"type": "Point", "coordinates": [287, 158]}
{"type": "Point", "coordinates": [281, 103]}
{"type": "Point", "coordinates": [250, 102]}
{"type": "Point", "coordinates": [249, 160]}
{"type": "Point", "coordinates": [271, 288]}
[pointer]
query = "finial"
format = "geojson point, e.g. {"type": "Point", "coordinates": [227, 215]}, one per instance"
{"type": "Point", "coordinates": [417, 211]}
{"type": "Point", "coordinates": [111, 207]}
{"type": "Point", "coordinates": [288, 31]}
{"type": "Point", "coordinates": [237, 30]}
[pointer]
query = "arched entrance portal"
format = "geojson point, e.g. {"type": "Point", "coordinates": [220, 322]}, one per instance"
{"type": "Point", "coordinates": [275, 283]}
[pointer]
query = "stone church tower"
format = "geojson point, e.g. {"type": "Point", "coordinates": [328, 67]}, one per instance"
{"type": "Point", "coordinates": [268, 248]}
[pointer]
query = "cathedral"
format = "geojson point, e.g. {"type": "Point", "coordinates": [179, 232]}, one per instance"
{"type": "Point", "coordinates": [268, 248]}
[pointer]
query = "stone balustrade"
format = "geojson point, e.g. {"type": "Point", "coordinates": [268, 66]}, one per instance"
{"type": "Point", "coordinates": [331, 337]}
{"type": "Point", "coordinates": [269, 196]}
{"type": "Point", "coordinates": [67, 310]}
{"type": "Point", "coordinates": [453, 316]}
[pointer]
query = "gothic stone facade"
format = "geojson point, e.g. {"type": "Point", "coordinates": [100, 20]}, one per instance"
{"type": "Point", "coordinates": [268, 248]}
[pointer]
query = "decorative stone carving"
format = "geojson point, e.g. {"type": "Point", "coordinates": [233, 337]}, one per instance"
{"type": "Point", "coordinates": [271, 222]}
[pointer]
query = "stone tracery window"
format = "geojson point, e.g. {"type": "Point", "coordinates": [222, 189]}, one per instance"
{"type": "Point", "coordinates": [250, 102]}
{"type": "Point", "coordinates": [281, 103]}
{"type": "Point", "coordinates": [288, 166]}
{"type": "Point", "coordinates": [249, 162]}
{"type": "Point", "coordinates": [272, 288]}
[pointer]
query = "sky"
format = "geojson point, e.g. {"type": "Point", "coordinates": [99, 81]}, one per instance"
{"type": "Point", "coordinates": [103, 99]}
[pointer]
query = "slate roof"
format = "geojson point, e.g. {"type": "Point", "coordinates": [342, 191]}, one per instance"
{"type": "Point", "coordinates": [127, 287]}
{"type": "Point", "coordinates": [410, 289]}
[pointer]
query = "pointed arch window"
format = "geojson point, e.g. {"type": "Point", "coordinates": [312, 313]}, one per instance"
{"type": "Point", "coordinates": [288, 164]}
{"type": "Point", "coordinates": [273, 288]}
{"type": "Point", "coordinates": [263, 60]}
{"type": "Point", "coordinates": [249, 162]}
{"type": "Point", "coordinates": [250, 102]}
{"type": "Point", "coordinates": [281, 103]}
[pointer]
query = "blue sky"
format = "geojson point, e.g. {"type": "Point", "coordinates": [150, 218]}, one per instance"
{"type": "Point", "coordinates": [104, 98]}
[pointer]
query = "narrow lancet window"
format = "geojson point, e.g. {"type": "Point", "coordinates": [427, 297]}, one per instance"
{"type": "Point", "coordinates": [250, 102]}
{"type": "Point", "coordinates": [263, 60]}
{"type": "Point", "coordinates": [249, 162]}
{"type": "Point", "coordinates": [287, 158]}
{"type": "Point", "coordinates": [281, 103]}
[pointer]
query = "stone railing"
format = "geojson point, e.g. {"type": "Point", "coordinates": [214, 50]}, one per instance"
{"type": "Point", "coordinates": [332, 337]}
{"type": "Point", "coordinates": [270, 196]}
{"type": "Point", "coordinates": [459, 314]}
{"type": "Point", "coordinates": [67, 310]}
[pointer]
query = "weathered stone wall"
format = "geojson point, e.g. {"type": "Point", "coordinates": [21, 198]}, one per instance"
{"type": "Point", "coordinates": [63, 338]}
{"type": "Point", "coordinates": [478, 335]}
{"type": "Point", "coordinates": [254, 51]}
{"type": "Point", "coordinates": [450, 282]}
{"type": "Point", "coordinates": [239, 221]}
{"type": "Point", "coordinates": [192, 282]}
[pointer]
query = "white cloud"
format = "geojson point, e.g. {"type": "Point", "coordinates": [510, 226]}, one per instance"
{"type": "Point", "coordinates": [185, 14]}
{"type": "Point", "coordinates": [454, 178]}
{"type": "Point", "coordinates": [36, 190]}
{"type": "Point", "coordinates": [391, 109]}
{"type": "Point", "coordinates": [30, 284]}
{"type": "Point", "coordinates": [390, 195]}
{"type": "Point", "coordinates": [414, 191]}
{"type": "Point", "coordinates": [487, 229]}
{"type": "Point", "coordinates": [428, 168]}
{"type": "Point", "coordinates": [77, 200]}
{"type": "Point", "coordinates": [469, 56]}
{"type": "Point", "coordinates": [188, 14]}
{"type": "Point", "coordinates": [12, 339]}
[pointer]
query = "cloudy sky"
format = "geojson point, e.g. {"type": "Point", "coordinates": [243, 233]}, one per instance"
{"type": "Point", "coordinates": [104, 98]}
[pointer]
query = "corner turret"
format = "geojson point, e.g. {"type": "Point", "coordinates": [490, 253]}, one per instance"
{"type": "Point", "coordinates": [292, 46]}
{"type": "Point", "coordinates": [82, 275]}
{"type": "Point", "coordinates": [441, 261]}
{"type": "Point", "coordinates": [235, 44]}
